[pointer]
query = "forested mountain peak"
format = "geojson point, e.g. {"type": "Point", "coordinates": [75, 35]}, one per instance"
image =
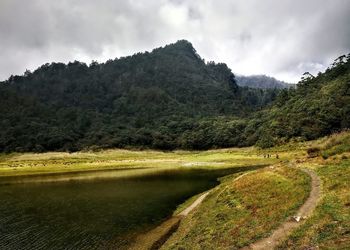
{"type": "Point", "coordinates": [167, 98]}
{"type": "Point", "coordinates": [179, 47]}
{"type": "Point", "coordinates": [168, 70]}
{"type": "Point", "coordinates": [148, 99]}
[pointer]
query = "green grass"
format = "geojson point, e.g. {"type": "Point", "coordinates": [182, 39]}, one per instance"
{"type": "Point", "coordinates": [329, 227]}
{"type": "Point", "coordinates": [186, 204]}
{"type": "Point", "coordinates": [336, 144]}
{"type": "Point", "coordinates": [60, 162]}
{"type": "Point", "coordinates": [189, 201]}
{"type": "Point", "coordinates": [237, 213]}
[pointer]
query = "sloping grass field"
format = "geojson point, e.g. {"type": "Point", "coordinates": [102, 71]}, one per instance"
{"type": "Point", "coordinates": [329, 227]}
{"type": "Point", "coordinates": [240, 212]}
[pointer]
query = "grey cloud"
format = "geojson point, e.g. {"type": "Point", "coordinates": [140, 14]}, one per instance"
{"type": "Point", "coordinates": [279, 38]}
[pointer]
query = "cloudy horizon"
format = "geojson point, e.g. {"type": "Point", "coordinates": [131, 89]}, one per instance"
{"type": "Point", "coordinates": [282, 39]}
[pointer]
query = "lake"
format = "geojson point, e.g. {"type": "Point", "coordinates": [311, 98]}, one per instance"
{"type": "Point", "coordinates": [97, 210]}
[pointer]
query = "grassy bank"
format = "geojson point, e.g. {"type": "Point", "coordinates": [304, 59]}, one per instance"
{"type": "Point", "coordinates": [237, 213]}
{"type": "Point", "coordinates": [240, 212]}
{"type": "Point", "coordinates": [329, 227]}
{"type": "Point", "coordinates": [61, 162]}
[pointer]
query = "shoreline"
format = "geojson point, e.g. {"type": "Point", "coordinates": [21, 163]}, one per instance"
{"type": "Point", "coordinates": [156, 237]}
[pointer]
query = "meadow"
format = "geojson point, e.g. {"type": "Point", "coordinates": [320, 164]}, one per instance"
{"type": "Point", "coordinates": [60, 162]}
{"type": "Point", "coordinates": [239, 212]}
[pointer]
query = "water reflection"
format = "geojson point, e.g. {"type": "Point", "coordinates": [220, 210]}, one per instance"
{"type": "Point", "coordinates": [96, 209]}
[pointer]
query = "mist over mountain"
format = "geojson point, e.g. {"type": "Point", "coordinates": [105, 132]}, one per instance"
{"type": "Point", "coordinates": [262, 82]}
{"type": "Point", "coordinates": [318, 106]}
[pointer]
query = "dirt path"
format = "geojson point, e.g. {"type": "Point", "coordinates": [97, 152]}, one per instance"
{"type": "Point", "coordinates": [194, 204]}
{"type": "Point", "coordinates": [155, 238]}
{"type": "Point", "coordinates": [287, 227]}
{"type": "Point", "coordinates": [202, 197]}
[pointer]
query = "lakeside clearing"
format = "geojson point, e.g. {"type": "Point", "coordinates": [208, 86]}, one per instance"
{"type": "Point", "coordinates": [17, 164]}
{"type": "Point", "coordinates": [238, 213]}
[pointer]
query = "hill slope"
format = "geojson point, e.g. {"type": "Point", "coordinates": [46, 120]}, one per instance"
{"type": "Point", "coordinates": [148, 99]}
{"type": "Point", "coordinates": [318, 106]}
{"type": "Point", "coordinates": [168, 98]}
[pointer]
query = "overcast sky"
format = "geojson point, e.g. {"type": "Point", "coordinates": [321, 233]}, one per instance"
{"type": "Point", "coordinates": [281, 38]}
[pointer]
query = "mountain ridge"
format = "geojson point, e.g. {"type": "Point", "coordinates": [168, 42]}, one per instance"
{"type": "Point", "coordinates": [262, 81]}
{"type": "Point", "coordinates": [73, 106]}
{"type": "Point", "coordinates": [165, 99]}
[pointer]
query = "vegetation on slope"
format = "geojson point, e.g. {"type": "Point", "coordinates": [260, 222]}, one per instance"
{"type": "Point", "coordinates": [162, 99]}
{"type": "Point", "coordinates": [237, 213]}
{"type": "Point", "coordinates": [165, 99]}
{"type": "Point", "coordinates": [319, 106]}
{"type": "Point", "coordinates": [329, 227]}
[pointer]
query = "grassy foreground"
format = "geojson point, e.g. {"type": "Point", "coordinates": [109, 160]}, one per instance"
{"type": "Point", "coordinates": [237, 212]}
{"type": "Point", "coordinates": [329, 227]}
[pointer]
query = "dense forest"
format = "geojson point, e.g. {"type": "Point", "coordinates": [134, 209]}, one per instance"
{"type": "Point", "coordinates": [168, 98]}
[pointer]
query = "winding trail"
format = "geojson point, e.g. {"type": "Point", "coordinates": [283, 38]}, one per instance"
{"type": "Point", "coordinates": [194, 204]}
{"type": "Point", "coordinates": [287, 227]}
{"type": "Point", "coordinates": [155, 238]}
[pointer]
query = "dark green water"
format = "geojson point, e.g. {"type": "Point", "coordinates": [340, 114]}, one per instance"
{"type": "Point", "coordinates": [104, 210]}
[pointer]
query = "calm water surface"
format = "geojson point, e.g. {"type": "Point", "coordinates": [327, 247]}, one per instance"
{"type": "Point", "coordinates": [99, 210]}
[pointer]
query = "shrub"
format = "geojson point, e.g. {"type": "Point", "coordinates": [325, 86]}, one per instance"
{"type": "Point", "coordinates": [313, 152]}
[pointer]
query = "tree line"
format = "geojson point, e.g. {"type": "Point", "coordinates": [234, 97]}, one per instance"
{"type": "Point", "coordinates": [165, 99]}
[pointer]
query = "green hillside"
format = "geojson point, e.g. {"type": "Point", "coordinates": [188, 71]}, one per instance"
{"type": "Point", "coordinates": [318, 106]}
{"type": "Point", "coordinates": [168, 98]}
{"type": "Point", "coordinates": [147, 100]}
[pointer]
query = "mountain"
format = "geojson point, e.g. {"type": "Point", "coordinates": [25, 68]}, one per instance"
{"type": "Point", "coordinates": [318, 106]}
{"type": "Point", "coordinates": [158, 99]}
{"type": "Point", "coordinates": [166, 99]}
{"type": "Point", "coordinates": [262, 82]}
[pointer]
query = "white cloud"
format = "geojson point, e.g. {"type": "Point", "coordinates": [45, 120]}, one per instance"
{"type": "Point", "coordinates": [279, 38]}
